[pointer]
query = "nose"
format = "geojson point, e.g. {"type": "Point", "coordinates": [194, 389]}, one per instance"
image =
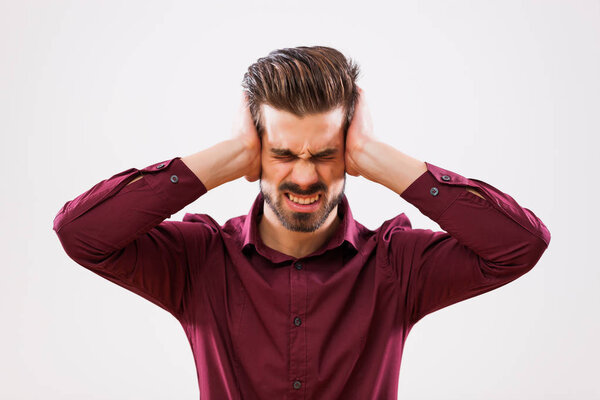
{"type": "Point", "coordinates": [304, 173]}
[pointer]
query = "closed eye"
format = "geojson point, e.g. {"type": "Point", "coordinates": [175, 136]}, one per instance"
{"type": "Point", "coordinates": [292, 157]}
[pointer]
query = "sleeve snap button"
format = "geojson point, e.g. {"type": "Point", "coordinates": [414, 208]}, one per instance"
{"type": "Point", "coordinates": [434, 191]}
{"type": "Point", "coordinates": [445, 177]}
{"type": "Point", "coordinates": [174, 178]}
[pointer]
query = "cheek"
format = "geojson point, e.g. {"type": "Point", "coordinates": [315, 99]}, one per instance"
{"type": "Point", "coordinates": [333, 183]}
{"type": "Point", "coordinates": [274, 173]}
{"type": "Point", "coordinates": [333, 173]}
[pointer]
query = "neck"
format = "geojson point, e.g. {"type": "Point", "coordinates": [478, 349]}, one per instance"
{"type": "Point", "coordinates": [295, 244]}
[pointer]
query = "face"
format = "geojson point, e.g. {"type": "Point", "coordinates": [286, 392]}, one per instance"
{"type": "Point", "coordinates": [304, 158]}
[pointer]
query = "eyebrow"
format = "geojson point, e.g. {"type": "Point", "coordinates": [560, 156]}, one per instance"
{"type": "Point", "coordinates": [288, 152]}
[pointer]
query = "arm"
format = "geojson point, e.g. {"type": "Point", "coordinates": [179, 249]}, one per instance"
{"type": "Point", "coordinates": [117, 229]}
{"type": "Point", "coordinates": [489, 239]}
{"type": "Point", "coordinates": [216, 165]}
{"type": "Point", "coordinates": [390, 167]}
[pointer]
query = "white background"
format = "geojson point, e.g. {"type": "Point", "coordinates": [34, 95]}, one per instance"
{"type": "Point", "coordinates": [507, 92]}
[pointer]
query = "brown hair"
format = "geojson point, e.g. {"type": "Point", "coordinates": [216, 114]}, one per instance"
{"type": "Point", "coordinates": [302, 80]}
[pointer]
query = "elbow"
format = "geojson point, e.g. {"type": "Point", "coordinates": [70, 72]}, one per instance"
{"type": "Point", "coordinates": [534, 252]}
{"type": "Point", "coordinates": [74, 244]}
{"type": "Point", "coordinates": [71, 244]}
{"type": "Point", "coordinates": [521, 257]}
{"type": "Point", "coordinates": [540, 244]}
{"type": "Point", "coordinates": [535, 245]}
{"type": "Point", "coordinates": [65, 236]}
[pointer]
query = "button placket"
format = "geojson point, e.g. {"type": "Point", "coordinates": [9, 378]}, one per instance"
{"type": "Point", "coordinates": [297, 335]}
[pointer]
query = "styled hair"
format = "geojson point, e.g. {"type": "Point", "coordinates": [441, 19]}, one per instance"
{"type": "Point", "coordinates": [302, 80]}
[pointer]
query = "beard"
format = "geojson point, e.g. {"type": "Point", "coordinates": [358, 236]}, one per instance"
{"type": "Point", "coordinates": [302, 221]}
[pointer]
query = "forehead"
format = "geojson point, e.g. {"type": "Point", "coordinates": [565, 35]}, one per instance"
{"type": "Point", "coordinates": [313, 132]}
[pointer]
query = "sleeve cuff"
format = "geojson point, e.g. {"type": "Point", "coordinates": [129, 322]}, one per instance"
{"type": "Point", "coordinates": [174, 182]}
{"type": "Point", "coordinates": [435, 190]}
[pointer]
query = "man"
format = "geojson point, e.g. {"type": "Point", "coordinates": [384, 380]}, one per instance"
{"type": "Point", "coordinates": [297, 300]}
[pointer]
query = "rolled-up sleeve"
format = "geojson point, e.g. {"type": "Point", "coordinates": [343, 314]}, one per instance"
{"type": "Point", "coordinates": [486, 243]}
{"type": "Point", "coordinates": [117, 230]}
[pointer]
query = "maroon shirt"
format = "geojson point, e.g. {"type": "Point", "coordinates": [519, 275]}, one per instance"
{"type": "Point", "coordinates": [331, 325]}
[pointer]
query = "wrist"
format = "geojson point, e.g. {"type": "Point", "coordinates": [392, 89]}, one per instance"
{"type": "Point", "coordinates": [364, 156]}
{"type": "Point", "coordinates": [219, 164]}
{"type": "Point", "coordinates": [390, 167]}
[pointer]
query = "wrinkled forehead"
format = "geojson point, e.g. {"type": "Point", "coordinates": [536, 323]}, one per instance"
{"type": "Point", "coordinates": [313, 132]}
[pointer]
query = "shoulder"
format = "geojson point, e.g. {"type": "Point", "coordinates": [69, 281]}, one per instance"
{"type": "Point", "coordinates": [205, 225]}
{"type": "Point", "coordinates": [201, 221]}
{"type": "Point", "coordinates": [386, 237]}
{"type": "Point", "coordinates": [393, 226]}
{"type": "Point", "coordinates": [396, 236]}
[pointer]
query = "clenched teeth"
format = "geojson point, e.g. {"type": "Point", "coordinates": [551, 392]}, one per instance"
{"type": "Point", "coordinates": [309, 200]}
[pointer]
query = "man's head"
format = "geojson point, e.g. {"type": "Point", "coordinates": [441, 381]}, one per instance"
{"type": "Point", "coordinates": [302, 101]}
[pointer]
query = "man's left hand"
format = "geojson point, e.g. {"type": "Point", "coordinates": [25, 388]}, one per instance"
{"type": "Point", "coordinates": [360, 132]}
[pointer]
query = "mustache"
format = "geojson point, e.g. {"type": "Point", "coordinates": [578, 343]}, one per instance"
{"type": "Point", "coordinates": [296, 190]}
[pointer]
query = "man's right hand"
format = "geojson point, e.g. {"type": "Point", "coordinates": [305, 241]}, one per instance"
{"type": "Point", "coordinates": [244, 131]}
{"type": "Point", "coordinates": [232, 158]}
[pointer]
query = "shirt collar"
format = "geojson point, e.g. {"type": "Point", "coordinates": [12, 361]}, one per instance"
{"type": "Point", "coordinates": [347, 231]}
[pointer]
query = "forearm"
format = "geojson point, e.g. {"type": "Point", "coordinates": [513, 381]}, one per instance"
{"type": "Point", "coordinates": [441, 196]}
{"type": "Point", "coordinates": [221, 163]}
{"type": "Point", "coordinates": [388, 166]}
{"type": "Point", "coordinates": [392, 168]}
{"type": "Point", "coordinates": [113, 213]}
{"type": "Point", "coordinates": [496, 227]}
{"type": "Point", "coordinates": [216, 165]}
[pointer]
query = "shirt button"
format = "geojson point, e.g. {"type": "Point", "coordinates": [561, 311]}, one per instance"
{"type": "Point", "coordinates": [297, 321]}
{"type": "Point", "coordinates": [298, 266]}
{"type": "Point", "coordinates": [297, 385]}
{"type": "Point", "coordinates": [445, 177]}
{"type": "Point", "coordinates": [159, 166]}
{"type": "Point", "coordinates": [434, 191]}
{"type": "Point", "coordinates": [174, 178]}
